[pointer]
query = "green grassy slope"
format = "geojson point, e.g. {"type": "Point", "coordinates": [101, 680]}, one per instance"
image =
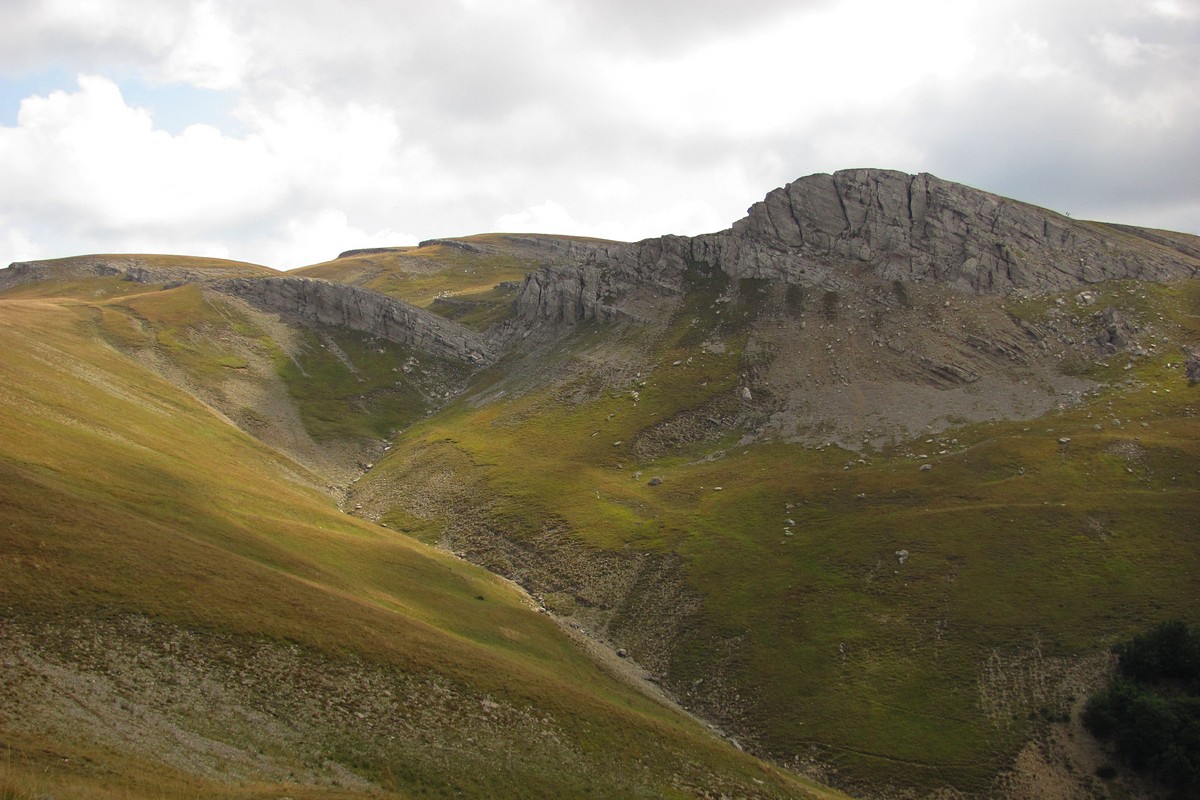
{"type": "Point", "coordinates": [1030, 547]}
{"type": "Point", "coordinates": [131, 515]}
{"type": "Point", "coordinates": [462, 283]}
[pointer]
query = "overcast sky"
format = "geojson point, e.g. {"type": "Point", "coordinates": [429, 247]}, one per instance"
{"type": "Point", "coordinates": [284, 132]}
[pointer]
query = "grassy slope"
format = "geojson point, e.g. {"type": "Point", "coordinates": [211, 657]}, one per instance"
{"type": "Point", "coordinates": [1025, 554]}
{"type": "Point", "coordinates": [419, 275]}
{"type": "Point", "coordinates": [423, 274]}
{"type": "Point", "coordinates": [120, 494]}
{"type": "Point", "coordinates": [345, 384]}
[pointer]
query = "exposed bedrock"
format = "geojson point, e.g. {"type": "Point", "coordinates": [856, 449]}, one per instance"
{"type": "Point", "coordinates": [826, 230]}
{"type": "Point", "coordinates": [360, 309]}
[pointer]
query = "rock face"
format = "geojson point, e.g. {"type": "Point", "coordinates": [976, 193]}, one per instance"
{"type": "Point", "coordinates": [922, 227]}
{"type": "Point", "coordinates": [360, 309]}
{"type": "Point", "coordinates": [23, 272]}
{"type": "Point", "coordinates": [829, 230]}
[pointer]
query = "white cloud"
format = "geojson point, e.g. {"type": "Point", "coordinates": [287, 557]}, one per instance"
{"type": "Point", "coordinates": [547, 216]}
{"type": "Point", "coordinates": [321, 236]}
{"type": "Point", "coordinates": [614, 118]}
{"type": "Point", "coordinates": [209, 53]}
{"type": "Point", "coordinates": [103, 166]}
{"type": "Point", "coordinates": [1175, 9]}
{"type": "Point", "coordinates": [21, 247]}
{"type": "Point", "coordinates": [87, 169]}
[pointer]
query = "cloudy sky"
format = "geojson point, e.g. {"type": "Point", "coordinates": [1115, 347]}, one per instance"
{"type": "Point", "coordinates": [284, 132]}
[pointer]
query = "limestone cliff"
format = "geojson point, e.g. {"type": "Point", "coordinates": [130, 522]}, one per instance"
{"type": "Point", "coordinates": [328, 303]}
{"type": "Point", "coordinates": [829, 230]}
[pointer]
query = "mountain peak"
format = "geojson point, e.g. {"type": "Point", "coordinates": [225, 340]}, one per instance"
{"type": "Point", "coordinates": [833, 232]}
{"type": "Point", "coordinates": [922, 227]}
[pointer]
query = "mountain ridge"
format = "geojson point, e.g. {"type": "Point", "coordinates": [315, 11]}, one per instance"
{"type": "Point", "coordinates": [814, 231]}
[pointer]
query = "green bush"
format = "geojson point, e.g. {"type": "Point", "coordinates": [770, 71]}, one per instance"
{"type": "Point", "coordinates": [1169, 652]}
{"type": "Point", "coordinates": [1150, 712]}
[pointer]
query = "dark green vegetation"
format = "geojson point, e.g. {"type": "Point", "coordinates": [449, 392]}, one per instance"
{"type": "Point", "coordinates": [349, 385]}
{"type": "Point", "coordinates": [1150, 712]}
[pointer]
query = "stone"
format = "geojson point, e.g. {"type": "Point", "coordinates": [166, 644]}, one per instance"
{"type": "Point", "coordinates": [1117, 332]}
{"type": "Point", "coordinates": [1191, 366]}
{"type": "Point", "coordinates": [747, 395]}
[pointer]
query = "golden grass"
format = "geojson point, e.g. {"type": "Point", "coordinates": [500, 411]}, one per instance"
{"type": "Point", "coordinates": [121, 494]}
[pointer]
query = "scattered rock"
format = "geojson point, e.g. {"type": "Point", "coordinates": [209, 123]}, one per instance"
{"type": "Point", "coordinates": [926, 467]}
{"type": "Point", "coordinates": [902, 556]}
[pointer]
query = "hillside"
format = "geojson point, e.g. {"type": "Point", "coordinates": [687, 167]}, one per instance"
{"type": "Point", "coordinates": [184, 616]}
{"type": "Point", "coordinates": [81, 273]}
{"type": "Point", "coordinates": [870, 481]}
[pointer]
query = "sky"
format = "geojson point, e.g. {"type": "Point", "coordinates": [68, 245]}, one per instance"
{"type": "Point", "coordinates": [283, 133]}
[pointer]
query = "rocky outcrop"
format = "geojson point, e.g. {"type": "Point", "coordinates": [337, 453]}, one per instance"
{"type": "Point", "coordinates": [372, 251]}
{"type": "Point", "coordinates": [1191, 365]}
{"type": "Point", "coordinates": [829, 231]}
{"type": "Point", "coordinates": [327, 303]}
{"type": "Point", "coordinates": [921, 227]}
{"type": "Point", "coordinates": [140, 269]}
{"type": "Point", "coordinates": [22, 272]}
{"type": "Point", "coordinates": [599, 287]}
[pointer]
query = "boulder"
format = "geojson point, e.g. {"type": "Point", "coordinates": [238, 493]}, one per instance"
{"type": "Point", "coordinates": [1191, 365]}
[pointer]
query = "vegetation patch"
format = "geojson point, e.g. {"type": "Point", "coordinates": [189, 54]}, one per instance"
{"type": "Point", "coordinates": [1150, 712]}
{"type": "Point", "coordinates": [347, 384]}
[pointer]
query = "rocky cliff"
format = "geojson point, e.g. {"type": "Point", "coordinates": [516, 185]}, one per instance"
{"type": "Point", "coordinates": [328, 303]}
{"type": "Point", "coordinates": [829, 230]}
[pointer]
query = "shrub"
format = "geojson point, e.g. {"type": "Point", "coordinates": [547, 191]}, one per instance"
{"type": "Point", "coordinates": [1169, 652]}
{"type": "Point", "coordinates": [1150, 712]}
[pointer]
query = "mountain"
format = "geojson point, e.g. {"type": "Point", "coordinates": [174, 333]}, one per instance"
{"type": "Point", "coordinates": [869, 481]}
